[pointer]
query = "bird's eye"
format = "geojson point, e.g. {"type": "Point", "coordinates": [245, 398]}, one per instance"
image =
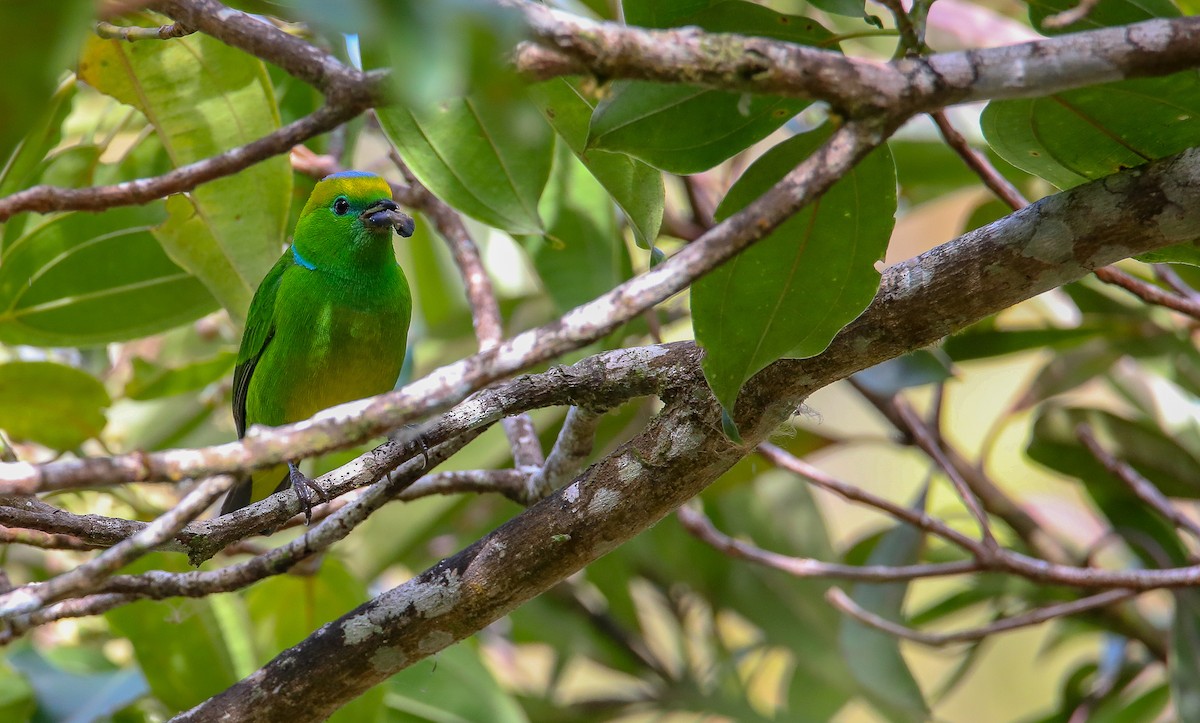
{"type": "Point", "coordinates": [341, 206]}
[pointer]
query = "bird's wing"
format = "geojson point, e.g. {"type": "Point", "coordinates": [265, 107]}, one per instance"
{"type": "Point", "coordinates": [260, 329]}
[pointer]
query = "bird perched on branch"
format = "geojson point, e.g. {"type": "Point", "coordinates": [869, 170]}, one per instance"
{"type": "Point", "coordinates": [328, 324]}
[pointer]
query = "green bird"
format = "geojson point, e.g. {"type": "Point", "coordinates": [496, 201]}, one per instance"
{"type": "Point", "coordinates": [328, 324]}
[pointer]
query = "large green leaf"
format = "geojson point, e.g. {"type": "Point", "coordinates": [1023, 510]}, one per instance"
{"type": "Point", "coordinates": [688, 129]}
{"type": "Point", "coordinates": [204, 97]}
{"type": "Point", "coordinates": [873, 655]}
{"type": "Point", "coordinates": [790, 293]}
{"type": "Point", "coordinates": [177, 643]}
{"type": "Point", "coordinates": [40, 41]}
{"type": "Point", "coordinates": [1080, 135]}
{"type": "Point", "coordinates": [582, 254]}
{"type": "Point", "coordinates": [84, 279]}
{"type": "Point", "coordinates": [54, 404]}
{"type": "Point", "coordinates": [635, 187]}
{"type": "Point", "coordinates": [479, 162]}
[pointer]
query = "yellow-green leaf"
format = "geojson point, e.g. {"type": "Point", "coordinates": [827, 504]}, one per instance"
{"type": "Point", "coordinates": [204, 97]}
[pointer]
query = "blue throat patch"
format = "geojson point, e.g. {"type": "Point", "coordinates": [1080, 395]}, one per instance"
{"type": "Point", "coordinates": [301, 260]}
{"type": "Point", "coordinates": [349, 174]}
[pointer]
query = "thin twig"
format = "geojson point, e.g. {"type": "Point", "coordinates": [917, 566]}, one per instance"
{"type": "Point", "coordinates": [1167, 275]}
{"type": "Point", "coordinates": [1149, 292]}
{"type": "Point", "coordinates": [977, 162]}
{"type": "Point", "coordinates": [994, 500]}
{"type": "Point", "coordinates": [1142, 487]}
{"type": "Point", "coordinates": [130, 33]}
{"type": "Point", "coordinates": [73, 608]}
{"type": "Point", "coordinates": [930, 442]}
{"type": "Point", "coordinates": [88, 576]}
{"type": "Point", "coordinates": [919, 519]}
{"type": "Point", "coordinates": [45, 199]}
{"type": "Point", "coordinates": [910, 40]}
{"type": "Point", "coordinates": [840, 600]}
{"type": "Point", "coordinates": [508, 482]}
{"type": "Point", "coordinates": [44, 540]}
{"type": "Point", "coordinates": [701, 527]}
{"type": "Point", "coordinates": [1071, 15]}
{"type": "Point", "coordinates": [570, 451]}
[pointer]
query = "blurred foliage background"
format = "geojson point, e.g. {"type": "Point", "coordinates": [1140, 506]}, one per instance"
{"type": "Point", "coordinates": [118, 332]}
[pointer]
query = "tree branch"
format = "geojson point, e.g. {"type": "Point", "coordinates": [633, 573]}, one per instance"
{"type": "Point", "coordinates": [89, 575]}
{"type": "Point", "coordinates": [855, 86]}
{"type": "Point", "coordinates": [45, 199]}
{"type": "Point", "coordinates": [702, 528]}
{"type": "Point", "coordinates": [843, 602]}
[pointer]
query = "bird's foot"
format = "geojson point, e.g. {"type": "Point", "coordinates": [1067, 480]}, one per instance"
{"type": "Point", "coordinates": [302, 485]}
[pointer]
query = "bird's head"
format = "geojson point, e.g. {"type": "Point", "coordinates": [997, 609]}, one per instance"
{"type": "Point", "coordinates": [349, 220]}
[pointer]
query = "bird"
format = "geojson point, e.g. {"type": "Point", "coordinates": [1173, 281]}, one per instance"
{"type": "Point", "coordinates": [327, 325]}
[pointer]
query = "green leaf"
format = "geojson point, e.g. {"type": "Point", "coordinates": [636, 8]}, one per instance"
{"type": "Point", "coordinates": [150, 381]}
{"type": "Point", "coordinates": [790, 293]}
{"type": "Point", "coordinates": [1055, 444]}
{"type": "Point", "coordinates": [204, 97]}
{"type": "Point", "coordinates": [1080, 135]}
{"type": "Point", "coordinates": [1106, 14]}
{"type": "Point", "coordinates": [68, 697]}
{"type": "Point", "coordinates": [83, 279]}
{"type": "Point", "coordinates": [914, 369]}
{"type": "Point", "coordinates": [52, 404]}
{"type": "Point", "coordinates": [177, 643]}
{"type": "Point", "coordinates": [582, 254]}
{"type": "Point", "coordinates": [872, 655]}
{"type": "Point", "coordinates": [1183, 662]}
{"type": "Point", "coordinates": [635, 187]}
{"type": "Point", "coordinates": [452, 687]}
{"type": "Point", "coordinates": [481, 163]}
{"type": "Point", "coordinates": [1186, 253]}
{"type": "Point", "coordinates": [41, 40]}
{"type": "Point", "coordinates": [687, 129]}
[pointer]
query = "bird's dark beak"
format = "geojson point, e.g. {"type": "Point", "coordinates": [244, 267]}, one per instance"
{"type": "Point", "coordinates": [385, 213]}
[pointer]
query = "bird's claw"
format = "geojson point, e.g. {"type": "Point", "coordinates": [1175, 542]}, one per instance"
{"type": "Point", "coordinates": [302, 485]}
